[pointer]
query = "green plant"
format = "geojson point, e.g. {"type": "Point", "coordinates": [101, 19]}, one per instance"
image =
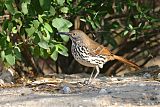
{"type": "Point", "coordinates": [30, 28]}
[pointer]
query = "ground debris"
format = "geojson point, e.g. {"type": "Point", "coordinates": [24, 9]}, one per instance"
{"type": "Point", "coordinates": [104, 91]}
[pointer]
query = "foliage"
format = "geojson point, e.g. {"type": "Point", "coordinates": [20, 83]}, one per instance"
{"type": "Point", "coordinates": [28, 27]}
{"type": "Point", "coordinates": [32, 24]}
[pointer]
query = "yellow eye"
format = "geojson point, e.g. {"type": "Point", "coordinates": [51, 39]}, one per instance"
{"type": "Point", "coordinates": [74, 34]}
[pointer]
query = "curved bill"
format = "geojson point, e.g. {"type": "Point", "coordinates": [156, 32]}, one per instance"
{"type": "Point", "coordinates": [64, 33]}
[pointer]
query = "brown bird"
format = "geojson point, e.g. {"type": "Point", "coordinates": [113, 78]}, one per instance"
{"type": "Point", "coordinates": [91, 54]}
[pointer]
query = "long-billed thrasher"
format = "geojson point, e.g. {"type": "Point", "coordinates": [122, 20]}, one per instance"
{"type": "Point", "coordinates": [91, 54]}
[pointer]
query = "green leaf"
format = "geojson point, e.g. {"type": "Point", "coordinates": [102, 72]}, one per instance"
{"type": "Point", "coordinates": [10, 26]}
{"type": "Point", "coordinates": [17, 53]}
{"type": "Point", "coordinates": [43, 44]}
{"type": "Point", "coordinates": [46, 37]}
{"type": "Point", "coordinates": [48, 27]}
{"type": "Point", "coordinates": [60, 2]}
{"type": "Point", "coordinates": [125, 32]}
{"type": "Point", "coordinates": [43, 53]}
{"type": "Point", "coordinates": [3, 43]}
{"type": "Point", "coordinates": [14, 30]}
{"type": "Point", "coordinates": [8, 38]}
{"type": "Point", "coordinates": [24, 7]}
{"type": "Point", "coordinates": [133, 32]}
{"type": "Point", "coordinates": [36, 24]}
{"type": "Point", "coordinates": [140, 24]}
{"type": "Point", "coordinates": [36, 51]}
{"type": "Point", "coordinates": [91, 22]}
{"type": "Point", "coordinates": [19, 22]}
{"type": "Point", "coordinates": [115, 24]}
{"type": "Point", "coordinates": [36, 6]}
{"type": "Point", "coordinates": [64, 9]}
{"type": "Point", "coordinates": [52, 11]}
{"type": "Point", "coordinates": [54, 55]}
{"type": "Point", "coordinates": [30, 31]}
{"type": "Point", "coordinates": [40, 18]}
{"type": "Point", "coordinates": [69, 1]}
{"type": "Point", "coordinates": [62, 50]}
{"type": "Point", "coordinates": [45, 4]}
{"type": "Point", "coordinates": [64, 37]}
{"type": "Point", "coordinates": [5, 24]}
{"type": "Point", "coordinates": [61, 23]}
{"type": "Point", "coordinates": [2, 55]}
{"type": "Point", "coordinates": [38, 36]}
{"type": "Point", "coordinates": [31, 10]}
{"type": "Point", "coordinates": [10, 59]}
{"type": "Point", "coordinates": [130, 26]}
{"type": "Point", "coordinates": [83, 20]}
{"type": "Point", "coordinates": [9, 6]}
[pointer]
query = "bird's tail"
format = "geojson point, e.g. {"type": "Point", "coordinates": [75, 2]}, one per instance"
{"type": "Point", "coordinates": [121, 59]}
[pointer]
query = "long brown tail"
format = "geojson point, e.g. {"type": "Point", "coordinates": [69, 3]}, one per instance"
{"type": "Point", "coordinates": [121, 59]}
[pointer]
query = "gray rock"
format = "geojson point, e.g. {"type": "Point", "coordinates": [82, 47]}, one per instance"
{"type": "Point", "coordinates": [66, 90]}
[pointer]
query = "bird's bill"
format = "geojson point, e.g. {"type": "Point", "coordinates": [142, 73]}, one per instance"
{"type": "Point", "coordinates": [64, 33]}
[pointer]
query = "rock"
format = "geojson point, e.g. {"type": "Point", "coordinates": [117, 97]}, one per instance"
{"type": "Point", "coordinates": [102, 91]}
{"type": "Point", "coordinates": [146, 75]}
{"type": "Point", "coordinates": [158, 76]}
{"type": "Point", "coordinates": [66, 90]}
{"type": "Point", "coordinates": [7, 76]}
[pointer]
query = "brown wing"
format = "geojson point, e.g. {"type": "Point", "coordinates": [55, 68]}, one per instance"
{"type": "Point", "coordinates": [104, 51]}
{"type": "Point", "coordinates": [97, 49]}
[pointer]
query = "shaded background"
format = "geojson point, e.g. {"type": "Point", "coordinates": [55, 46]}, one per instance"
{"type": "Point", "coordinates": [30, 46]}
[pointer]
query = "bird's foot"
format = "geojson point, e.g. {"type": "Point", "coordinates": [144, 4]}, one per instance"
{"type": "Point", "coordinates": [89, 82]}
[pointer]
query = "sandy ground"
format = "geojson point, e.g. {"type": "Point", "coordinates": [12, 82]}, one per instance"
{"type": "Point", "coordinates": [103, 92]}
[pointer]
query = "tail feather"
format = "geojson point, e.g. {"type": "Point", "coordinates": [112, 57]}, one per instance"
{"type": "Point", "coordinates": [121, 59]}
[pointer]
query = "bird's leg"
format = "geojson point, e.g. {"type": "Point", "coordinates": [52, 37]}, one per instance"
{"type": "Point", "coordinates": [97, 72]}
{"type": "Point", "coordinates": [90, 79]}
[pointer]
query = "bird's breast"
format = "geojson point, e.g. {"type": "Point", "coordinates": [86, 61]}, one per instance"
{"type": "Point", "coordinates": [82, 54]}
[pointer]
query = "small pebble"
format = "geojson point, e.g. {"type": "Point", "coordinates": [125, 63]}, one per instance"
{"type": "Point", "coordinates": [103, 78]}
{"type": "Point", "coordinates": [114, 79]}
{"type": "Point", "coordinates": [66, 90]}
{"type": "Point", "coordinates": [102, 91]}
{"type": "Point", "coordinates": [142, 85]}
{"type": "Point", "coordinates": [147, 75]}
{"type": "Point", "coordinates": [1, 81]}
{"type": "Point", "coordinates": [86, 82]}
{"type": "Point", "coordinates": [158, 76]}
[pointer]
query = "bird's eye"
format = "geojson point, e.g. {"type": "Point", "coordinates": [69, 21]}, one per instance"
{"type": "Point", "coordinates": [74, 34]}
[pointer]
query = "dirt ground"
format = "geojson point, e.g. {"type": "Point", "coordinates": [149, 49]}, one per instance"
{"type": "Point", "coordinates": [70, 91]}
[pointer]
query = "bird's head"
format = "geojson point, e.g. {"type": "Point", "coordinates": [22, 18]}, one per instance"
{"type": "Point", "coordinates": [75, 35]}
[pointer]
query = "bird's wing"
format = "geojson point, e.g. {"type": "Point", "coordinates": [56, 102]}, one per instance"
{"type": "Point", "coordinates": [101, 50]}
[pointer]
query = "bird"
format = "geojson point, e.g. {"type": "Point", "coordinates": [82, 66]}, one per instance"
{"type": "Point", "coordinates": [90, 53]}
